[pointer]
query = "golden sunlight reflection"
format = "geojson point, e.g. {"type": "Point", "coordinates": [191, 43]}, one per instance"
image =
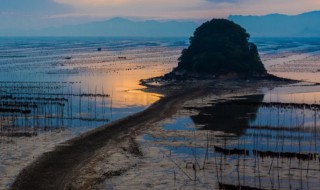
{"type": "Point", "coordinates": [123, 86]}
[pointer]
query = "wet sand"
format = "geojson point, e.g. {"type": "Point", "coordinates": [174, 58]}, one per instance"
{"type": "Point", "coordinates": [87, 161]}
{"type": "Point", "coordinates": [55, 78]}
{"type": "Point", "coordinates": [172, 146]}
{"type": "Point", "coordinates": [60, 168]}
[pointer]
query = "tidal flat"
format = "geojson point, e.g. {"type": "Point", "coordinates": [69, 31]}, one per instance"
{"type": "Point", "coordinates": [55, 89]}
{"type": "Point", "coordinates": [229, 134]}
{"type": "Point", "coordinates": [259, 136]}
{"type": "Point", "coordinates": [232, 141]}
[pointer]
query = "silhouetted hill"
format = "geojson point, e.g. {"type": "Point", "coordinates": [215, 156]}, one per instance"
{"type": "Point", "coordinates": [279, 25]}
{"type": "Point", "coordinates": [116, 27]}
{"type": "Point", "coordinates": [220, 47]}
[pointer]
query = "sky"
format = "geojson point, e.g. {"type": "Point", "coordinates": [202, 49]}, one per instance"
{"type": "Point", "coordinates": [44, 13]}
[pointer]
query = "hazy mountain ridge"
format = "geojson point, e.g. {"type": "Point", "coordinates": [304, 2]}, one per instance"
{"type": "Point", "coordinates": [115, 27]}
{"type": "Point", "coordinates": [272, 25]}
{"type": "Point", "coordinates": [280, 25]}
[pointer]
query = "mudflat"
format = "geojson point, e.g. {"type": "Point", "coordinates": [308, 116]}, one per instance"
{"type": "Point", "coordinates": [59, 168]}
{"type": "Point", "coordinates": [69, 165]}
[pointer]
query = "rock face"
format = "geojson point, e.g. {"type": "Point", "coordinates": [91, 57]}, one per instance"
{"type": "Point", "coordinates": [220, 47]}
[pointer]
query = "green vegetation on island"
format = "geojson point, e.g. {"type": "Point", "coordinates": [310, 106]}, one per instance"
{"type": "Point", "coordinates": [220, 47]}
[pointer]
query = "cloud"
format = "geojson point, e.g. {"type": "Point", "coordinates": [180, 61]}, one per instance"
{"type": "Point", "coordinates": [223, 1]}
{"type": "Point", "coordinates": [30, 14]}
{"type": "Point", "coordinates": [91, 3]}
{"type": "Point", "coordinates": [125, 3]}
{"type": "Point", "coordinates": [71, 11]}
{"type": "Point", "coordinates": [162, 9]}
{"type": "Point", "coordinates": [184, 9]}
{"type": "Point", "coordinates": [32, 6]}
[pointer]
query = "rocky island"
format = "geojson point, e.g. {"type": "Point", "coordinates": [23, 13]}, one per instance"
{"type": "Point", "coordinates": [220, 47]}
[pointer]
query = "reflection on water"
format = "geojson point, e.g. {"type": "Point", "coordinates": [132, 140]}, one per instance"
{"type": "Point", "coordinates": [52, 89]}
{"type": "Point", "coordinates": [55, 69]}
{"type": "Point", "coordinates": [231, 116]}
{"type": "Point", "coordinates": [247, 142]}
{"type": "Point", "coordinates": [123, 87]}
{"type": "Point", "coordinates": [249, 117]}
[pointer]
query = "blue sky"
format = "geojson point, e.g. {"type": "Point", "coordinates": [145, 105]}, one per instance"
{"type": "Point", "coordinates": [43, 13]}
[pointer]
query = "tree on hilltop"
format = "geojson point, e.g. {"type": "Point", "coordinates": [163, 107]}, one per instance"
{"type": "Point", "coordinates": [220, 47]}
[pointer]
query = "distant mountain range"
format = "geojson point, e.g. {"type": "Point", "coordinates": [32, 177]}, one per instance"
{"type": "Point", "coordinates": [273, 25]}
{"type": "Point", "coordinates": [116, 27]}
{"type": "Point", "coordinates": [279, 25]}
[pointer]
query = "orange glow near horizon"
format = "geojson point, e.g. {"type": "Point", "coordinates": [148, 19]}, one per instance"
{"type": "Point", "coordinates": [179, 9]}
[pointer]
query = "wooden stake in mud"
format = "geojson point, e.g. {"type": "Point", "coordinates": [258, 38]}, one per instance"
{"type": "Point", "coordinates": [215, 159]}
{"type": "Point", "coordinates": [80, 100]}
{"type": "Point", "coordinates": [111, 104]}
{"type": "Point", "coordinates": [95, 103]}
{"type": "Point", "coordinates": [207, 151]}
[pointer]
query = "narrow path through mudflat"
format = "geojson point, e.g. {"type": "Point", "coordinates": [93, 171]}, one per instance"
{"type": "Point", "coordinates": [55, 170]}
